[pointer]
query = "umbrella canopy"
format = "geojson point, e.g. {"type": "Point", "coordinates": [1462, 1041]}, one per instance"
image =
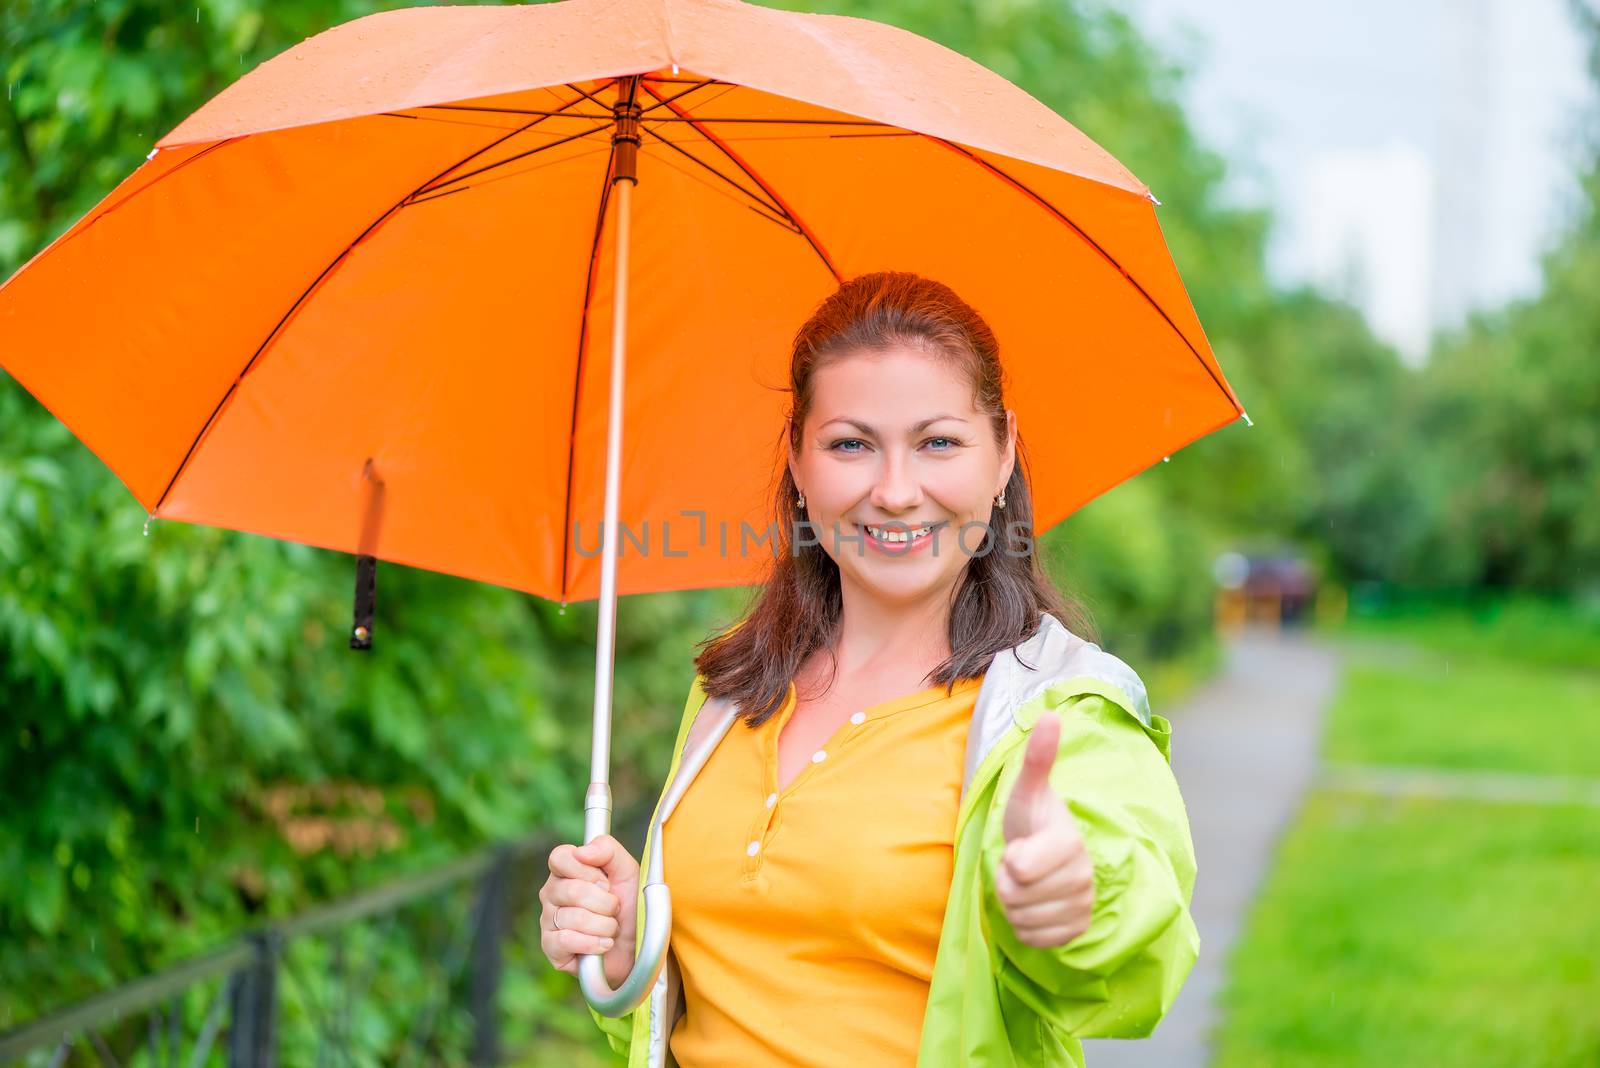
{"type": "Point", "coordinates": [361, 299]}
{"type": "Point", "coordinates": [356, 300]}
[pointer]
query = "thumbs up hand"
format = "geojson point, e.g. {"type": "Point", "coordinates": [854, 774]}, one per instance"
{"type": "Point", "coordinates": [1045, 878]}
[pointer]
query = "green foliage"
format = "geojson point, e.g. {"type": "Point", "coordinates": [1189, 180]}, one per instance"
{"type": "Point", "coordinates": [1490, 474]}
{"type": "Point", "coordinates": [1513, 407]}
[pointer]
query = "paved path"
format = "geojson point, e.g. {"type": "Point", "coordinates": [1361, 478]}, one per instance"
{"type": "Point", "coordinates": [1244, 748]}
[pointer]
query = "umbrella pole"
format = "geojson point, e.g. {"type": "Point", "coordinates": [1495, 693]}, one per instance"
{"type": "Point", "coordinates": [656, 918]}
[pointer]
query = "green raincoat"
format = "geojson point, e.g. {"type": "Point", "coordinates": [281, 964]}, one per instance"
{"type": "Point", "coordinates": [994, 1002]}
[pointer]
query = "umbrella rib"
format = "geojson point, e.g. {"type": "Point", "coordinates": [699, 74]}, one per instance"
{"type": "Point", "coordinates": [782, 122]}
{"type": "Point", "coordinates": [805, 231]}
{"type": "Point", "coordinates": [512, 159]}
{"type": "Point", "coordinates": [774, 219]}
{"type": "Point", "coordinates": [73, 234]}
{"type": "Point", "coordinates": [1092, 243]}
{"type": "Point", "coordinates": [505, 175]}
{"type": "Point", "coordinates": [759, 120]}
{"type": "Point", "coordinates": [686, 92]}
{"type": "Point", "coordinates": [726, 178]}
{"type": "Point", "coordinates": [562, 114]}
{"type": "Point", "coordinates": [460, 122]}
{"type": "Point", "coordinates": [277, 330]}
{"type": "Point", "coordinates": [608, 117]}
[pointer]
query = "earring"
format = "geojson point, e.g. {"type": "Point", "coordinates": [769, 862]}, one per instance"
{"type": "Point", "coordinates": [1000, 500]}
{"type": "Point", "coordinates": [800, 501]}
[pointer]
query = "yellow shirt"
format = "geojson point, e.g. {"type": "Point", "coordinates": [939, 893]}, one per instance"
{"type": "Point", "coordinates": [805, 923]}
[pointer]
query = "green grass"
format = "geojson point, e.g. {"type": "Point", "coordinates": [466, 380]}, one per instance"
{"type": "Point", "coordinates": [1537, 633]}
{"type": "Point", "coordinates": [1422, 934]}
{"type": "Point", "coordinates": [1436, 933]}
{"type": "Point", "coordinates": [1467, 713]}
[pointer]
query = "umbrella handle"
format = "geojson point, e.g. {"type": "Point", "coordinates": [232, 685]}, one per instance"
{"type": "Point", "coordinates": [657, 905]}
{"type": "Point", "coordinates": [646, 970]}
{"type": "Point", "coordinates": [656, 917]}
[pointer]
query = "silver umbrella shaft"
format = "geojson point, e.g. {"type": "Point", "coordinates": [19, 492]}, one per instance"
{"type": "Point", "coordinates": [657, 917]}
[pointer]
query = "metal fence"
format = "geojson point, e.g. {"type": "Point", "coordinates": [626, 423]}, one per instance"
{"type": "Point", "coordinates": [227, 1008]}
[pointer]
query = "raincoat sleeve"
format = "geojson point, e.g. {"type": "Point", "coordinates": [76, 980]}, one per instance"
{"type": "Point", "coordinates": [1120, 976]}
{"type": "Point", "coordinates": [618, 1031]}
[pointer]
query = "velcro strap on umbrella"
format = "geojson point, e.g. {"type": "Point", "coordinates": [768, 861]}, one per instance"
{"type": "Point", "coordinates": [366, 595]}
{"type": "Point", "coordinates": [367, 560]}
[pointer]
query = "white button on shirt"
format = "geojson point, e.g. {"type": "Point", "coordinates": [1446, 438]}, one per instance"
{"type": "Point", "coordinates": [772, 799]}
{"type": "Point", "coordinates": [859, 717]}
{"type": "Point", "coordinates": [752, 848]}
{"type": "Point", "coordinates": [819, 756]}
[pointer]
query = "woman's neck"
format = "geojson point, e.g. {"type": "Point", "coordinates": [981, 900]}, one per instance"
{"type": "Point", "coordinates": [891, 638]}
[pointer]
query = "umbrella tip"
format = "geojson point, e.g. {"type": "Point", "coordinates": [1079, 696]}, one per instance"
{"type": "Point", "coordinates": [1246, 417]}
{"type": "Point", "coordinates": [152, 154]}
{"type": "Point", "coordinates": [1153, 198]}
{"type": "Point", "coordinates": [148, 517]}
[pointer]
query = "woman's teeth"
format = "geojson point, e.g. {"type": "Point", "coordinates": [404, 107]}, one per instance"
{"type": "Point", "coordinates": [897, 536]}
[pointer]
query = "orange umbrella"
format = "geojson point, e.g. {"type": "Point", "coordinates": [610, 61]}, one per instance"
{"type": "Point", "coordinates": [359, 299]}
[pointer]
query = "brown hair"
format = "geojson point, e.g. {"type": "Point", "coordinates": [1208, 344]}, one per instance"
{"type": "Point", "coordinates": [797, 608]}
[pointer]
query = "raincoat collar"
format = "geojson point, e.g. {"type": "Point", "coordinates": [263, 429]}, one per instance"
{"type": "Point", "coordinates": [1017, 675]}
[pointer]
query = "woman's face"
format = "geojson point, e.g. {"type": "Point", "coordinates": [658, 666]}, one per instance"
{"type": "Point", "coordinates": [893, 445]}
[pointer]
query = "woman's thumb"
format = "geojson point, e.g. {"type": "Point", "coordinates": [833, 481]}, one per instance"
{"type": "Point", "coordinates": [1033, 781]}
{"type": "Point", "coordinates": [597, 852]}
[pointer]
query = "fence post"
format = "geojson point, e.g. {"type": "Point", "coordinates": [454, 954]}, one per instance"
{"type": "Point", "coordinates": [253, 1036]}
{"type": "Point", "coordinates": [484, 985]}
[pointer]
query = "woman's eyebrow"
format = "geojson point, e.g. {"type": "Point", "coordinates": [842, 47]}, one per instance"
{"type": "Point", "coordinates": [915, 428]}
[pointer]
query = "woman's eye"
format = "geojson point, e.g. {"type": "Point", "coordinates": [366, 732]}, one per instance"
{"type": "Point", "coordinates": [941, 444]}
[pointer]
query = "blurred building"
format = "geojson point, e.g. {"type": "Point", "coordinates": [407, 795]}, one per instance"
{"type": "Point", "coordinates": [1370, 237]}
{"type": "Point", "coordinates": [1419, 157]}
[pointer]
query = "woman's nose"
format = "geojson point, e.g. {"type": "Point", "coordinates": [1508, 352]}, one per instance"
{"type": "Point", "coordinates": [897, 488]}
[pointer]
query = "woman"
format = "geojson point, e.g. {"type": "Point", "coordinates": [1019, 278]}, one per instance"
{"type": "Point", "coordinates": [946, 832]}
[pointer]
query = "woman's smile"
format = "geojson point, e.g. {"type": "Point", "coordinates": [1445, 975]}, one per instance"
{"type": "Point", "coordinates": [897, 538]}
